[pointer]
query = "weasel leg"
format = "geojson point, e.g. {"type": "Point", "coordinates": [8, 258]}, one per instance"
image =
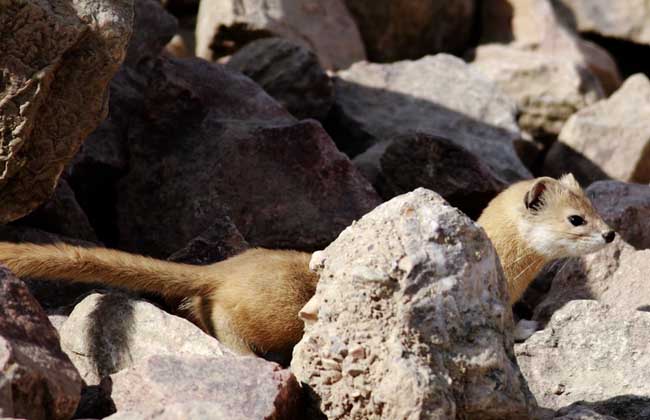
{"type": "Point", "coordinates": [225, 332]}
{"type": "Point", "coordinates": [524, 329]}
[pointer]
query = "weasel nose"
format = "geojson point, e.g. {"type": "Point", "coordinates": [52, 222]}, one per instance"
{"type": "Point", "coordinates": [609, 236]}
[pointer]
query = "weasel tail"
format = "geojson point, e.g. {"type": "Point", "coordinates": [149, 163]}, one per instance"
{"type": "Point", "coordinates": [101, 265]}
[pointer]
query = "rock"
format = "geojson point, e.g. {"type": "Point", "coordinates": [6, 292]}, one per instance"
{"type": "Point", "coordinates": [37, 379]}
{"type": "Point", "coordinates": [608, 139]}
{"type": "Point", "coordinates": [410, 320]}
{"type": "Point", "coordinates": [578, 412]}
{"type": "Point", "coordinates": [438, 95]}
{"type": "Point", "coordinates": [626, 208]}
{"type": "Point", "coordinates": [625, 20]}
{"type": "Point", "coordinates": [62, 215]}
{"type": "Point", "coordinates": [533, 25]}
{"type": "Point", "coordinates": [224, 26]}
{"type": "Point", "coordinates": [209, 388]}
{"type": "Point", "coordinates": [588, 352]}
{"type": "Point", "coordinates": [153, 28]}
{"type": "Point", "coordinates": [57, 60]}
{"type": "Point", "coordinates": [209, 144]}
{"type": "Point", "coordinates": [108, 333]}
{"type": "Point", "coordinates": [436, 163]}
{"type": "Point", "coordinates": [547, 88]}
{"type": "Point", "coordinates": [410, 30]}
{"type": "Point", "coordinates": [627, 407]}
{"type": "Point", "coordinates": [290, 73]}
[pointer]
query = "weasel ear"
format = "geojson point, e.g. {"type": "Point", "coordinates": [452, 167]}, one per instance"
{"type": "Point", "coordinates": [533, 197]}
{"type": "Point", "coordinates": [569, 181]}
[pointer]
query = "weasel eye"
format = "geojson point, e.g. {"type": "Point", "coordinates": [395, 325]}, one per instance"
{"type": "Point", "coordinates": [576, 220]}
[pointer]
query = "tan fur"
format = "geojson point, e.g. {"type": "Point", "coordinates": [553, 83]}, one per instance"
{"type": "Point", "coordinates": [250, 302]}
{"type": "Point", "coordinates": [527, 238]}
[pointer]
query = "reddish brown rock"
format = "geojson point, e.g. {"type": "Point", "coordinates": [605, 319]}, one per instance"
{"type": "Point", "coordinates": [58, 58]}
{"type": "Point", "coordinates": [37, 380]}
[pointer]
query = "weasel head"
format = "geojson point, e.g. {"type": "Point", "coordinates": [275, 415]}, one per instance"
{"type": "Point", "coordinates": [559, 220]}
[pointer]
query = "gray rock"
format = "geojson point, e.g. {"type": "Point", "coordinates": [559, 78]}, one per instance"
{"type": "Point", "coordinates": [588, 352]}
{"type": "Point", "coordinates": [438, 95]}
{"type": "Point", "coordinates": [412, 29]}
{"type": "Point", "coordinates": [410, 320]}
{"type": "Point", "coordinates": [238, 388]}
{"type": "Point", "coordinates": [224, 26]}
{"type": "Point", "coordinates": [58, 58]}
{"type": "Point", "coordinates": [290, 73]}
{"type": "Point", "coordinates": [108, 333]}
{"type": "Point", "coordinates": [37, 380]}
{"type": "Point", "coordinates": [608, 139]}
{"type": "Point", "coordinates": [578, 412]}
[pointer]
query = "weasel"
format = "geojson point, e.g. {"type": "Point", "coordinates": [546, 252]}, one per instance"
{"type": "Point", "coordinates": [251, 301]}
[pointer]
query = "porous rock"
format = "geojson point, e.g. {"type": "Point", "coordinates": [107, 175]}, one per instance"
{"type": "Point", "coordinates": [394, 31]}
{"type": "Point", "coordinates": [37, 380]}
{"type": "Point", "coordinates": [438, 95]}
{"type": "Point", "coordinates": [238, 388]}
{"type": "Point", "coordinates": [211, 143]}
{"type": "Point", "coordinates": [290, 73]}
{"type": "Point", "coordinates": [58, 58]}
{"type": "Point", "coordinates": [410, 320]}
{"type": "Point", "coordinates": [608, 139]}
{"type": "Point", "coordinates": [588, 352]}
{"type": "Point", "coordinates": [223, 26]}
{"type": "Point", "coordinates": [107, 333]}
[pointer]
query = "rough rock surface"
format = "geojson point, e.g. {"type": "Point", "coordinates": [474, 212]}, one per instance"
{"type": "Point", "coordinates": [107, 333]}
{"type": "Point", "coordinates": [547, 88]}
{"type": "Point", "coordinates": [209, 143]}
{"type": "Point", "coordinates": [37, 380]}
{"type": "Point", "coordinates": [290, 73]}
{"type": "Point", "coordinates": [199, 387]}
{"type": "Point", "coordinates": [588, 352]}
{"type": "Point", "coordinates": [223, 26]}
{"type": "Point", "coordinates": [609, 139]}
{"type": "Point", "coordinates": [578, 412]}
{"type": "Point", "coordinates": [394, 31]}
{"type": "Point", "coordinates": [627, 20]}
{"type": "Point", "coordinates": [56, 70]}
{"type": "Point", "coordinates": [435, 163]}
{"type": "Point", "coordinates": [409, 315]}
{"type": "Point", "coordinates": [436, 95]}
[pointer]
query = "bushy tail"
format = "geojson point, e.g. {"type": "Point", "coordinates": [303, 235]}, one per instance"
{"type": "Point", "coordinates": [101, 265]}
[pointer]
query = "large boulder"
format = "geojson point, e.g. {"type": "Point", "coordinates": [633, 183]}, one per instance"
{"type": "Point", "coordinates": [57, 60]}
{"type": "Point", "coordinates": [609, 139]}
{"type": "Point", "coordinates": [175, 388]}
{"type": "Point", "coordinates": [438, 95]}
{"type": "Point", "coordinates": [37, 380]}
{"type": "Point", "coordinates": [209, 143]}
{"type": "Point", "coordinates": [290, 73]}
{"type": "Point", "coordinates": [108, 333]}
{"type": "Point", "coordinates": [589, 352]}
{"type": "Point", "coordinates": [410, 320]}
{"type": "Point", "coordinates": [224, 26]}
{"type": "Point", "coordinates": [403, 30]}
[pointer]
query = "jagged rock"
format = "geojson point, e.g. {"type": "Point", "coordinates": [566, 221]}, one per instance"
{"type": "Point", "coordinates": [407, 30]}
{"type": "Point", "coordinates": [290, 73]}
{"type": "Point", "coordinates": [624, 407]}
{"type": "Point", "coordinates": [37, 380]}
{"type": "Point", "coordinates": [62, 215]}
{"type": "Point", "coordinates": [608, 139]}
{"type": "Point", "coordinates": [578, 412]}
{"type": "Point", "coordinates": [108, 333]}
{"type": "Point", "coordinates": [57, 59]}
{"type": "Point", "coordinates": [438, 95]}
{"type": "Point", "coordinates": [224, 26]}
{"type": "Point", "coordinates": [625, 20]}
{"type": "Point", "coordinates": [436, 163]}
{"type": "Point", "coordinates": [533, 25]}
{"type": "Point", "coordinates": [210, 143]}
{"type": "Point", "coordinates": [209, 388]}
{"type": "Point", "coordinates": [410, 320]}
{"type": "Point", "coordinates": [547, 88]}
{"type": "Point", "coordinates": [588, 352]}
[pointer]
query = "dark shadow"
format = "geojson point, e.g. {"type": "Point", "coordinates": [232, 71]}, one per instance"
{"type": "Point", "coordinates": [631, 58]}
{"type": "Point", "coordinates": [644, 308]}
{"type": "Point", "coordinates": [622, 407]}
{"type": "Point", "coordinates": [562, 159]}
{"type": "Point", "coordinates": [96, 401]}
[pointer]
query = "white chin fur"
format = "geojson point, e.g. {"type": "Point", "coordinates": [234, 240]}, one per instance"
{"type": "Point", "coordinates": [552, 246]}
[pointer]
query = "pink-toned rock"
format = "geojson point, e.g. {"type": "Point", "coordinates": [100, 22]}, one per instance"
{"type": "Point", "coordinates": [37, 380]}
{"type": "Point", "coordinates": [171, 387]}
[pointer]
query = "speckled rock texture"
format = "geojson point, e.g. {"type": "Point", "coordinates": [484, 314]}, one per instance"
{"type": "Point", "coordinates": [410, 320]}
